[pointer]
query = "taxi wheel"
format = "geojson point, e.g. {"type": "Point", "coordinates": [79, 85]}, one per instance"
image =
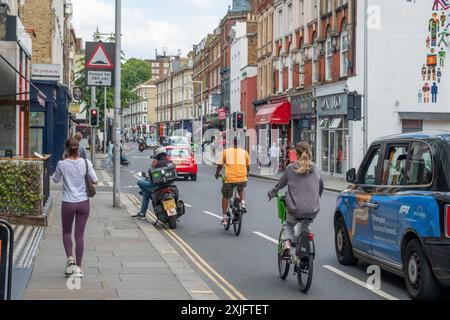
{"type": "Point", "coordinates": [343, 245]}
{"type": "Point", "coordinates": [419, 279]}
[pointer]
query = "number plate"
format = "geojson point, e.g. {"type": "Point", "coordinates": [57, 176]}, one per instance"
{"type": "Point", "coordinates": [170, 207]}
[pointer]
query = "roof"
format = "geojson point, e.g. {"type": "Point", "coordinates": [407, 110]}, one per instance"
{"type": "Point", "coordinates": [431, 135]}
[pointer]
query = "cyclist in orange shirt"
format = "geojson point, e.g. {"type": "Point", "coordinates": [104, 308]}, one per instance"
{"type": "Point", "coordinates": [236, 162]}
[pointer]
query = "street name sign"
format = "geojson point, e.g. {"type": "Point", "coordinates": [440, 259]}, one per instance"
{"type": "Point", "coordinates": [100, 64]}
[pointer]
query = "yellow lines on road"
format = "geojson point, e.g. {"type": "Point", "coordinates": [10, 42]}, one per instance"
{"type": "Point", "coordinates": [229, 290]}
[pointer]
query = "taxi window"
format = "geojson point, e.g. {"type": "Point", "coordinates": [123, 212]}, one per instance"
{"type": "Point", "coordinates": [371, 169]}
{"type": "Point", "coordinates": [394, 165]}
{"type": "Point", "coordinates": [420, 168]}
{"type": "Point", "coordinates": [178, 153]}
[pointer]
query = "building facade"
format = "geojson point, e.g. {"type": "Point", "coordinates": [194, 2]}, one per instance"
{"type": "Point", "coordinates": [139, 119]}
{"type": "Point", "coordinates": [160, 66]}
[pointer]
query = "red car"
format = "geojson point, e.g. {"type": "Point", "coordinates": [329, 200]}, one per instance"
{"type": "Point", "coordinates": [183, 158]}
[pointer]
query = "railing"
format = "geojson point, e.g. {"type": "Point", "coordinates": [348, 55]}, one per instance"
{"type": "Point", "coordinates": [25, 190]}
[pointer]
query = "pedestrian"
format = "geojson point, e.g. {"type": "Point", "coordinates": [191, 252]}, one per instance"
{"type": "Point", "coordinates": [82, 151]}
{"type": "Point", "coordinates": [292, 155]}
{"type": "Point", "coordinates": [109, 160]}
{"type": "Point", "coordinates": [75, 203]}
{"type": "Point", "coordinates": [274, 153]}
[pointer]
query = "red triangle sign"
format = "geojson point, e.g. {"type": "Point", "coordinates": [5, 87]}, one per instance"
{"type": "Point", "coordinates": [100, 59]}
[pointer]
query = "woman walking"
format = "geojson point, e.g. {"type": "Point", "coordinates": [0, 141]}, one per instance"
{"type": "Point", "coordinates": [75, 203]}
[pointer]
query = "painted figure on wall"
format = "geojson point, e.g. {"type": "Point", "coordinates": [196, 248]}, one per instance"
{"type": "Point", "coordinates": [426, 93]}
{"type": "Point", "coordinates": [433, 73]}
{"type": "Point", "coordinates": [424, 72]}
{"type": "Point", "coordinates": [443, 19]}
{"type": "Point", "coordinates": [443, 38]}
{"type": "Point", "coordinates": [439, 75]}
{"type": "Point", "coordinates": [433, 27]}
{"type": "Point", "coordinates": [443, 4]}
{"type": "Point", "coordinates": [442, 56]}
{"type": "Point", "coordinates": [420, 96]}
{"type": "Point", "coordinates": [434, 92]}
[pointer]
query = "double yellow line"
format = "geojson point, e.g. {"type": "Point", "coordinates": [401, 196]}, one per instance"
{"type": "Point", "coordinates": [229, 290]}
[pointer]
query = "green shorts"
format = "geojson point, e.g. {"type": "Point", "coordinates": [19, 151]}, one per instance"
{"type": "Point", "coordinates": [228, 188]}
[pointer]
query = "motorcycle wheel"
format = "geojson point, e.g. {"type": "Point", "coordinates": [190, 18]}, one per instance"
{"type": "Point", "coordinates": [173, 222]}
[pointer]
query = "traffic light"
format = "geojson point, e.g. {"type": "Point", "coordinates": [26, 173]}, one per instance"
{"type": "Point", "coordinates": [240, 120]}
{"type": "Point", "coordinates": [93, 119]}
{"type": "Point", "coordinates": [234, 121]}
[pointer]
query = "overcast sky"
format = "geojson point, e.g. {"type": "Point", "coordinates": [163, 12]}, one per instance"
{"type": "Point", "coordinates": [150, 24]}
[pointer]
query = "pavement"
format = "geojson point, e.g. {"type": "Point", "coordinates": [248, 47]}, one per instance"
{"type": "Point", "coordinates": [124, 259]}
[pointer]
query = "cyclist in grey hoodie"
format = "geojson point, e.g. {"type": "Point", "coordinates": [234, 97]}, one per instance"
{"type": "Point", "coordinates": [305, 188]}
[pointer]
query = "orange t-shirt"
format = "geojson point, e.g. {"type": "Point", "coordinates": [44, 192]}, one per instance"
{"type": "Point", "coordinates": [235, 162]}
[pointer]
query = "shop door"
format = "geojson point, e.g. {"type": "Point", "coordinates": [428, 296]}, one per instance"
{"type": "Point", "coordinates": [332, 150]}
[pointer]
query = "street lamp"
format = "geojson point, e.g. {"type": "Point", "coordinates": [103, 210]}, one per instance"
{"type": "Point", "coordinates": [202, 111]}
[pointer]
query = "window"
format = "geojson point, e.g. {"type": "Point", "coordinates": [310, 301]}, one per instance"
{"type": "Point", "coordinates": [329, 61]}
{"type": "Point", "coordinates": [290, 19]}
{"type": "Point", "coordinates": [315, 62]}
{"type": "Point", "coordinates": [370, 172]}
{"type": "Point", "coordinates": [394, 166]}
{"type": "Point", "coordinates": [420, 166]}
{"type": "Point", "coordinates": [280, 23]}
{"type": "Point", "coordinates": [145, 105]}
{"type": "Point", "coordinates": [409, 126]}
{"type": "Point", "coordinates": [344, 50]}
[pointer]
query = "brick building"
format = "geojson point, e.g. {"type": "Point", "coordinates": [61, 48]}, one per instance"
{"type": "Point", "coordinates": [160, 66]}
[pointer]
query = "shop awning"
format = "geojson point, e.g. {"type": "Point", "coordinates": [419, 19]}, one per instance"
{"type": "Point", "coordinates": [279, 113]}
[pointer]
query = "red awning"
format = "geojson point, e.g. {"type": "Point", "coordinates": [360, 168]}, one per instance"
{"type": "Point", "coordinates": [279, 113]}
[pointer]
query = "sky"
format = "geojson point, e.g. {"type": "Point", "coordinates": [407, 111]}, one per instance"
{"type": "Point", "coordinates": [149, 24]}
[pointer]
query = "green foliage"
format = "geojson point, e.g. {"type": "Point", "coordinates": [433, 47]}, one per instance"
{"type": "Point", "coordinates": [135, 72]}
{"type": "Point", "coordinates": [20, 188]}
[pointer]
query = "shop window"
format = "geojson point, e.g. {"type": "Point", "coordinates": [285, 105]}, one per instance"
{"type": "Point", "coordinates": [409, 126]}
{"type": "Point", "coordinates": [394, 166]}
{"type": "Point", "coordinates": [329, 59]}
{"type": "Point", "coordinates": [324, 123]}
{"type": "Point", "coordinates": [344, 50]}
{"type": "Point", "coordinates": [336, 123]}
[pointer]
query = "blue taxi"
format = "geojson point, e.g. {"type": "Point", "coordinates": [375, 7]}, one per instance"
{"type": "Point", "coordinates": [396, 212]}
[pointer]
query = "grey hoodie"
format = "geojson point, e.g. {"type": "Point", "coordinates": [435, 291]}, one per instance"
{"type": "Point", "coordinates": [304, 192]}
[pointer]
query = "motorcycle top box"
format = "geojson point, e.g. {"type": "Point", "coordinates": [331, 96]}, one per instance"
{"type": "Point", "coordinates": [163, 175]}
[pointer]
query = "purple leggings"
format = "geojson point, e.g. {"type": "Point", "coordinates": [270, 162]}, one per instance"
{"type": "Point", "coordinates": [80, 213]}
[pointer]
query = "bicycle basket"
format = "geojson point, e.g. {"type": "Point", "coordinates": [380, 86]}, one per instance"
{"type": "Point", "coordinates": [281, 208]}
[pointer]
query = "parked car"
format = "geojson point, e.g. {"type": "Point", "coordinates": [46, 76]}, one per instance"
{"type": "Point", "coordinates": [396, 213]}
{"type": "Point", "coordinates": [184, 159]}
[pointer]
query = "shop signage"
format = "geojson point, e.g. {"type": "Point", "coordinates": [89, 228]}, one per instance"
{"type": "Point", "coordinates": [222, 114]}
{"type": "Point", "coordinates": [332, 105]}
{"type": "Point", "coordinates": [6, 249]}
{"type": "Point", "coordinates": [302, 105]}
{"type": "Point", "coordinates": [46, 72]}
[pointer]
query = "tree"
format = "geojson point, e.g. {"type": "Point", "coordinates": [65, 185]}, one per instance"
{"type": "Point", "coordinates": [135, 72]}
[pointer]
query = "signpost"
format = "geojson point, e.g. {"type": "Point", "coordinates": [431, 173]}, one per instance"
{"type": "Point", "coordinates": [100, 69]}
{"type": "Point", "coordinates": [6, 259]}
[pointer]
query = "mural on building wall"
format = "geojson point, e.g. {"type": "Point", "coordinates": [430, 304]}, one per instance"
{"type": "Point", "coordinates": [436, 43]}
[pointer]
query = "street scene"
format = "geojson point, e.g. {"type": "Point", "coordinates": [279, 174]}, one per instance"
{"type": "Point", "coordinates": [210, 151]}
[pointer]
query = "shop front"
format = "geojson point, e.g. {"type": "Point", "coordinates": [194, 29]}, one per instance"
{"type": "Point", "coordinates": [333, 127]}
{"type": "Point", "coordinates": [304, 123]}
{"type": "Point", "coordinates": [273, 125]}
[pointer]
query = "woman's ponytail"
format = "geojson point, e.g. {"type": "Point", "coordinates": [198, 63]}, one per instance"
{"type": "Point", "coordinates": [304, 165]}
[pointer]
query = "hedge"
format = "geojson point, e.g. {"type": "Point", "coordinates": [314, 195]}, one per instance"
{"type": "Point", "coordinates": [21, 191]}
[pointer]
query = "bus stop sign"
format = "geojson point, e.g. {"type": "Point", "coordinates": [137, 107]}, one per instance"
{"type": "Point", "coordinates": [6, 259]}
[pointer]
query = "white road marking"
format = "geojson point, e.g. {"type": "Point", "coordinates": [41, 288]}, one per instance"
{"type": "Point", "coordinates": [131, 187]}
{"type": "Point", "coordinates": [137, 177]}
{"type": "Point", "coordinates": [360, 283]}
{"type": "Point", "coordinates": [213, 215]}
{"type": "Point", "coordinates": [262, 235]}
{"type": "Point", "coordinates": [188, 205]}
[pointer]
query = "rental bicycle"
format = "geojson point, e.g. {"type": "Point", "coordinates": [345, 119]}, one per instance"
{"type": "Point", "coordinates": [302, 253]}
{"type": "Point", "coordinates": [236, 214]}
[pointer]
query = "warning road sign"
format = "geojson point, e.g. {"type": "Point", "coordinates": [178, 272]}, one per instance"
{"type": "Point", "coordinates": [100, 58]}
{"type": "Point", "coordinates": [100, 64]}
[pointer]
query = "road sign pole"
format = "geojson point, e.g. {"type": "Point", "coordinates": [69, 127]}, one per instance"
{"type": "Point", "coordinates": [117, 104]}
{"type": "Point", "coordinates": [105, 127]}
{"type": "Point", "coordinates": [93, 103]}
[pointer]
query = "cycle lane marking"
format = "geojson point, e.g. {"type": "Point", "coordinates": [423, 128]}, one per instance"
{"type": "Point", "coordinates": [344, 275]}
{"type": "Point", "coordinates": [213, 215]}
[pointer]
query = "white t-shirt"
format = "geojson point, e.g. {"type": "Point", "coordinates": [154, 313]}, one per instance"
{"type": "Point", "coordinates": [274, 152]}
{"type": "Point", "coordinates": [72, 172]}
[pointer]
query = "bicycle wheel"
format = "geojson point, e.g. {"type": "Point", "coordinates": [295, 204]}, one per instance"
{"type": "Point", "coordinates": [237, 224]}
{"type": "Point", "coordinates": [283, 265]}
{"type": "Point", "coordinates": [228, 224]}
{"type": "Point", "coordinates": [305, 273]}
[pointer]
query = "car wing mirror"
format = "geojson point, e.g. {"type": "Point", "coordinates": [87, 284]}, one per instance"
{"type": "Point", "coordinates": [351, 176]}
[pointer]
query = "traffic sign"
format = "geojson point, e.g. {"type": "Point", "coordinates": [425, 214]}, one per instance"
{"type": "Point", "coordinates": [100, 64]}
{"type": "Point", "coordinates": [100, 59]}
{"type": "Point", "coordinates": [99, 78]}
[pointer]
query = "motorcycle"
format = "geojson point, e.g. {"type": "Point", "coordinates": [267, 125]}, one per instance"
{"type": "Point", "coordinates": [167, 206]}
{"type": "Point", "coordinates": [124, 161]}
{"type": "Point", "coordinates": [142, 147]}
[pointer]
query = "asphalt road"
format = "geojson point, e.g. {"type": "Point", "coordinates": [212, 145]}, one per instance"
{"type": "Point", "coordinates": [249, 262]}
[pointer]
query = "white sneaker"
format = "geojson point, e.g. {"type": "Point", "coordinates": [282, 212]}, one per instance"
{"type": "Point", "coordinates": [71, 266]}
{"type": "Point", "coordinates": [79, 274]}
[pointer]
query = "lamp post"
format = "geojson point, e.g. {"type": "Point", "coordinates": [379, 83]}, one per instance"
{"type": "Point", "coordinates": [202, 111]}
{"type": "Point", "coordinates": [117, 104]}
